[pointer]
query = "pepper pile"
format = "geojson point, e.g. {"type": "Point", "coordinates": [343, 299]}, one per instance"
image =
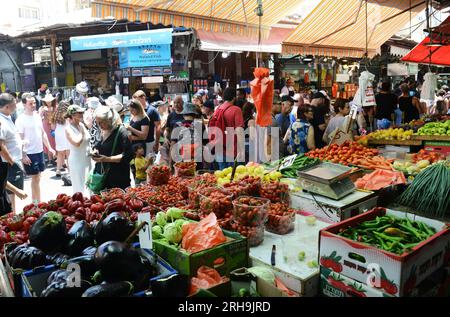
{"type": "Point", "coordinates": [389, 233]}
{"type": "Point", "coordinates": [301, 161]}
{"type": "Point", "coordinates": [345, 154]}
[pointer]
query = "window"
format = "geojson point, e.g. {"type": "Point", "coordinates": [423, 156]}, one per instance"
{"type": "Point", "coordinates": [29, 13]}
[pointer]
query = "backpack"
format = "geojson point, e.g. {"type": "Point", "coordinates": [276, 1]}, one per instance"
{"type": "Point", "coordinates": [218, 121]}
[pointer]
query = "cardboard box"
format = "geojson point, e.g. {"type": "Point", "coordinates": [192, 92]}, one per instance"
{"type": "Point", "coordinates": [337, 285]}
{"type": "Point", "coordinates": [34, 282]}
{"type": "Point", "coordinates": [242, 278]}
{"type": "Point", "coordinates": [396, 274]}
{"type": "Point", "coordinates": [224, 258]}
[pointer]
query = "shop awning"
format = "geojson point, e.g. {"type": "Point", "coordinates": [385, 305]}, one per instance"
{"type": "Point", "coordinates": [232, 16]}
{"type": "Point", "coordinates": [338, 28]}
{"type": "Point", "coordinates": [435, 55]}
{"type": "Point", "coordinates": [211, 41]}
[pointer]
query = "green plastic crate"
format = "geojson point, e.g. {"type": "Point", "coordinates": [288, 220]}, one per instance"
{"type": "Point", "coordinates": [234, 252]}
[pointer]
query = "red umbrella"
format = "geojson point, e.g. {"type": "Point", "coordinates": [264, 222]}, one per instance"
{"type": "Point", "coordinates": [262, 94]}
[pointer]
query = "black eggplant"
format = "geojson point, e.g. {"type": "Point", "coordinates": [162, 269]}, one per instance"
{"type": "Point", "coordinates": [80, 237]}
{"type": "Point", "coordinates": [172, 286]}
{"type": "Point", "coordinates": [49, 232]}
{"type": "Point", "coordinates": [118, 263]}
{"type": "Point", "coordinates": [57, 259]}
{"type": "Point", "coordinates": [115, 227]}
{"type": "Point", "coordinates": [58, 276]}
{"type": "Point", "coordinates": [89, 251]}
{"type": "Point", "coordinates": [87, 265]}
{"type": "Point", "coordinates": [61, 288]}
{"type": "Point", "coordinates": [26, 257]}
{"type": "Point", "coordinates": [118, 289]}
{"type": "Point", "coordinates": [9, 248]}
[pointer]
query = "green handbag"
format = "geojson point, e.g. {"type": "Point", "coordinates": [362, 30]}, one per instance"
{"type": "Point", "coordinates": [96, 182]}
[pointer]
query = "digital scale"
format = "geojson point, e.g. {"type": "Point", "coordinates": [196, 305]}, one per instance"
{"type": "Point", "coordinates": [327, 179]}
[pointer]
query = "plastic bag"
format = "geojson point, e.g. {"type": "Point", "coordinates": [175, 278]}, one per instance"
{"type": "Point", "coordinates": [206, 278]}
{"type": "Point", "coordinates": [262, 94]}
{"type": "Point", "coordinates": [380, 179]}
{"type": "Point", "coordinates": [203, 235]}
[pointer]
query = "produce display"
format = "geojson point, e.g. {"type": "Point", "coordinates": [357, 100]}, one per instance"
{"type": "Point", "coordinates": [158, 175]}
{"type": "Point", "coordinates": [252, 169]}
{"type": "Point", "coordinates": [167, 227]}
{"type": "Point", "coordinates": [398, 134]}
{"type": "Point", "coordinates": [430, 191]}
{"type": "Point", "coordinates": [300, 162]}
{"type": "Point", "coordinates": [390, 233]}
{"type": "Point", "coordinates": [410, 168]}
{"type": "Point", "coordinates": [255, 235]}
{"type": "Point", "coordinates": [247, 186]}
{"type": "Point", "coordinates": [276, 192]}
{"type": "Point", "coordinates": [431, 157]}
{"type": "Point", "coordinates": [185, 169]}
{"type": "Point", "coordinates": [281, 219]}
{"type": "Point", "coordinates": [250, 211]}
{"type": "Point", "coordinates": [351, 153]}
{"type": "Point", "coordinates": [435, 128]}
{"type": "Point", "coordinates": [217, 201]}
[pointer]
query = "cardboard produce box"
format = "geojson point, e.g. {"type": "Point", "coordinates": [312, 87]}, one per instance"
{"type": "Point", "coordinates": [396, 274]}
{"type": "Point", "coordinates": [337, 285]}
{"type": "Point", "coordinates": [224, 258]}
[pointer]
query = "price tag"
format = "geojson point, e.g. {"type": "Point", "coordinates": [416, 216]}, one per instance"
{"type": "Point", "coordinates": [145, 235]}
{"type": "Point", "coordinates": [288, 162]}
{"type": "Point", "coordinates": [126, 81]}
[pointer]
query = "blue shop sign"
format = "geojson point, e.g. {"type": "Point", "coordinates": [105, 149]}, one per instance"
{"type": "Point", "coordinates": [121, 40]}
{"type": "Point", "coordinates": [144, 56]}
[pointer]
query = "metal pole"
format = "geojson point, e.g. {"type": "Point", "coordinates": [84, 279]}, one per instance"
{"type": "Point", "coordinates": [53, 62]}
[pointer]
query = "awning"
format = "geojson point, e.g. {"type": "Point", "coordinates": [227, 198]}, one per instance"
{"type": "Point", "coordinates": [211, 41]}
{"type": "Point", "coordinates": [338, 28]}
{"type": "Point", "coordinates": [435, 55]}
{"type": "Point", "coordinates": [232, 16]}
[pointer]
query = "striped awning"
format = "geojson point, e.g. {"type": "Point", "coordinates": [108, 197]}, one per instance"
{"type": "Point", "coordinates": [232, 16]}
{"type": "Point", "coordinates": [338, 27]}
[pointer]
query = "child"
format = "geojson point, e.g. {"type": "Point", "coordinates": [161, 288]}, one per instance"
{"type": "Point", "coordinates": [141, 164]}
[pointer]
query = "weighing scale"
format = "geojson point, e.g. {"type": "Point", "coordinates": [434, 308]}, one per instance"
{"type": "Point", "coordinates": [327, 179]}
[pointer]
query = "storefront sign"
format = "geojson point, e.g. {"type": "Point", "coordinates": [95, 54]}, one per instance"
{"type": "Point", "coordinates": [342, 78]}
{"type": "Point", "coordinates": [148, 55]}
{"type": "Point", "coordinates": [121, 40]}
{"type": "Point", "coordinates": [152, 80]}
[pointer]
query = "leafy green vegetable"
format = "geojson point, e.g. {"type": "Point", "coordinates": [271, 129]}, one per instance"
{"type": "Point", "coordinates": [180, 223]}
{"type": "Point", "coordinates": [175, 213]}
{"type": "Point", "coordinates": [157, 232]}
{"type": "Point", "coordinates": [161, 219]}
{"type": "Point", "coordinates": [173, 233]}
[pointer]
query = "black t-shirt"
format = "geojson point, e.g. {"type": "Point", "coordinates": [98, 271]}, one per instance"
{"type": "Point", "coordinates": [119, 173]}
{"type": "Point", "coordinates": [174, 120]}
{"type": "Point", "coordinates": [409, 110]}
{"type": "Point", "coordinates": [138, 126]}
{"type": "Point", "coordinates": [153, 115]}
{"type": "Point", "coordinates": [319, 119]}
{"type": "Point", "coordinates": [386, 106]}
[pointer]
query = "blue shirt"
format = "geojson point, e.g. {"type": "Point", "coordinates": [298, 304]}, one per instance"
{"type": "Point", "coordinates": [153, 115]}
{"type": "Point", "coordinates": [283, 122]}
{"type": "Point", "coordinates": [298, 143]}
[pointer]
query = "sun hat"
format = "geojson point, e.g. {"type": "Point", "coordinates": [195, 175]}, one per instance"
{"type": "Point", "coordinates": [190, 108]}
{"type": "Point", "coordinates": [93, 103]}
{"type": "Point", "coordinates": [75, 109]}
{"type": "Point", "coordinates": [48, 98]}
{"type": "Point", "coordinates": [82, 87]}
{"type": "Point", "coordinates": [115, 104]}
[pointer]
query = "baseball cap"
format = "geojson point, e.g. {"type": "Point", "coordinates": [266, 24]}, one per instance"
{"type": "Point", "coordinates": [209, 104]}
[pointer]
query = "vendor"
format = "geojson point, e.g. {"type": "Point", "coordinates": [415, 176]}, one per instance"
{"type": "Point", "coordinates": [289, 89]}
{"type": "Point", "coordinates": [115, 163]}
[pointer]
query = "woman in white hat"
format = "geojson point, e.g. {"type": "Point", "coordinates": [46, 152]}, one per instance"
{"type": "Point", "coordinates": [78, 137]}
{"type": "Point", "coordinates": [47, 111]}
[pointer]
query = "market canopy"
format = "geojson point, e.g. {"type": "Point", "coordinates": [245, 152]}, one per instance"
{"type": "Point", "coordinates": [232, 16]}
{"type": "Point", "coordinates": [338, 28]}
{"type": "Point", "coordinates": [435, 55]}
{"type": "Point", "coordinates": [211, 41]}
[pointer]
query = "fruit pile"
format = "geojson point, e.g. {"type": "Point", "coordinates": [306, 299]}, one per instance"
{"type": "Point", "coordinates": [281, 219]}
{"type": "Point", "coordinates": [435, 128]}
{"type": "Point", "coordinates": [247, 186]}
{"type": "Point", "coordinates": [158, 175]}
{"type": "Point", "coordinates": [398, 134]}
{"type": "Point", "coordinates": [410, 168]}
{"type": "Point", "coordinates": [432, 157]}
{"type": "Point", "coordinates": [349, 153]}
{"type": "Point", "coordinates": [252, 169]}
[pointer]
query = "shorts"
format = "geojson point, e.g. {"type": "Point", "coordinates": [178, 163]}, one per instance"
{"type": "Point", "coordinates": [15, 176]}
{"type": "Point", "coordinates": [37, 164]}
